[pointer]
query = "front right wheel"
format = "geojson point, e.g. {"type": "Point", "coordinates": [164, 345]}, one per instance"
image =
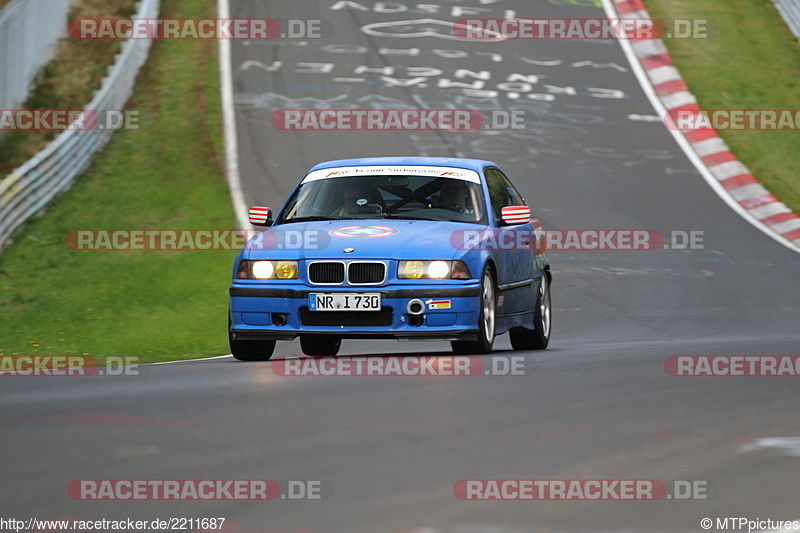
{"type": "Point", "coordinates": [320, 344]}
{"type": "Point", "coordinates": [250, 350]}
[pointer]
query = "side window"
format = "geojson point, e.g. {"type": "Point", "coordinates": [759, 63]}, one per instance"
{"type": "Point", "coordinates": [501, 192]}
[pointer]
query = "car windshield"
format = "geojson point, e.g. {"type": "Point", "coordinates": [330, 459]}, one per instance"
{"type": "Point", "coordinates": [411, 197]}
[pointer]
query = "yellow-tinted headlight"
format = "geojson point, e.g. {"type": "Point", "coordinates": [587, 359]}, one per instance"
{"type": "Point", "coordinates": [411, 269]}
{"type": "Point", "coordinates": [286, 270]}
{"type": "Point", "coordinates": [267, 270]}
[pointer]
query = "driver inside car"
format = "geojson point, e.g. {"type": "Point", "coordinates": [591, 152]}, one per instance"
{"type": "Point", "coordinates": [453, 196]}
{"type": "Point", "coordinates": [356, 201]}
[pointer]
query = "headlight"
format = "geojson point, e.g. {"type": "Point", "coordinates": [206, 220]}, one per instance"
{"type": "Point", "coordinates": [262, 269]}
{"type": "Point", "coordinates": [438, 269]}
{"type": "Point", "coordinates": [267, 270]}
{"type": "Point", "coordinates": [432, 270]}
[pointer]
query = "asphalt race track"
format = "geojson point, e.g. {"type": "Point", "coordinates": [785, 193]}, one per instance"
{"type": "Point", "coordinates": [597, 404]}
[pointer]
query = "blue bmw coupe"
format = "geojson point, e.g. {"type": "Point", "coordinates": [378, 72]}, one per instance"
{"type": "Point", "coordinates": [398, 248]}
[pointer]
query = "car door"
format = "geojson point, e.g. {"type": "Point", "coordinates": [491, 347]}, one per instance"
{"type": "Point", "coordinates": [515, 252]}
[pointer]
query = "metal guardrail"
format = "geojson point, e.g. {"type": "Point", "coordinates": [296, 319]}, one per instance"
{"type": "Point", "coordinates": [790, 11]}
{"type": "Point", "coordinates": [28, 33]}
{"type": "Point", "coordinates": [29, 188]}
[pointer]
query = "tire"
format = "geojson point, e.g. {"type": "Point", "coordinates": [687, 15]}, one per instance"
{"type": "Point", "coordinates": [487, 320]}
{"type": "Point", "coordinates": [320, 344]}
{"type": "Point", "coordinates": [250, 350]}
{"type": "Point", "coordinates": [539, 338]}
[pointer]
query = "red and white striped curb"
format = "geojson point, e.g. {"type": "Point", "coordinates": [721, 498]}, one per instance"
{"type": "Point", "coordinates": [734, 177]}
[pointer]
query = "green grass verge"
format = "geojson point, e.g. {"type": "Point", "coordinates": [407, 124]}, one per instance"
{"type": "Point", "coordinates": [168, 175]}
{"type": "Point", "coordinates": [753, 63]}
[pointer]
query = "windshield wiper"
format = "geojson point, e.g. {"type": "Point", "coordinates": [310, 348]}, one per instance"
{"type": "Point", "coordinates": [312, 217]}
{"type": "Point", "coordinates": [413, 217]}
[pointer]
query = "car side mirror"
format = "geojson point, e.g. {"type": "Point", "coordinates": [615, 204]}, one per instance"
{"type": "Point", "coordinates": [514, 215]}
{"type": "Point", "coordinates": [260, 216]}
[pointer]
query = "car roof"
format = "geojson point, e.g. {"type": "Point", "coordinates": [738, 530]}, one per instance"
{"type": "Point", "coordinates": [471, 164]}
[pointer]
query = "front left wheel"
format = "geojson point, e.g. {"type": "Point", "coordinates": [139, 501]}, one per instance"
{"type": "Point", "coordinates": [486, 319]}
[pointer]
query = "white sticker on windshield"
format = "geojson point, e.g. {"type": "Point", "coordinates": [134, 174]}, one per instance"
{"type": "Point", "coordinates": [394, 170]}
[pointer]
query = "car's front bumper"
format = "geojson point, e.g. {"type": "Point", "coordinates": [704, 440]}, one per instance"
{"type": "Point", "coordinates": [280, 312]}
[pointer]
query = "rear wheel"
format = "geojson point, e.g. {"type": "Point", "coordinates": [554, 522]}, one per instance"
{"type": "Point", "coordinates": [320, 344]}
{"type": "Point", "coordinates": [539, 338]}
{"type": "Point", "coordinates": [486, 320]}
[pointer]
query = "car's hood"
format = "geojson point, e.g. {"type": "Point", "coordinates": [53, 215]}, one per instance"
{"type": "Point", "coordinates": [369, 239]}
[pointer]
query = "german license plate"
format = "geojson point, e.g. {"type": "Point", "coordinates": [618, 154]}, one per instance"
{"type": "Point", "coordinates": [344, 302]}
